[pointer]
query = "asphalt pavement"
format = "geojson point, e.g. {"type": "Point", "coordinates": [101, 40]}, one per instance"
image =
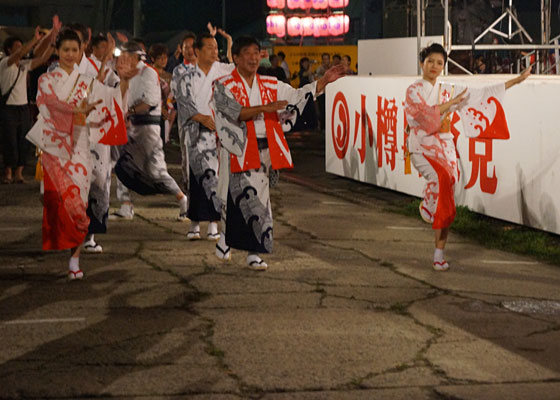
{"type": "Point", "coordinates": [350, 307]}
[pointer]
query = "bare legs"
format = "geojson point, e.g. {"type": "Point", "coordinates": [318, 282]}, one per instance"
{"type": "Point", "coordinates": [441, 237]}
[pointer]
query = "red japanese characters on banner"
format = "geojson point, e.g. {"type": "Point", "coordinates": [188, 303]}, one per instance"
{"type": "Point", "coordinates": [479, 166]}
{"type": "Point", "coordinates": [340, 125]}
{"type": "Point", "coordinates": [496, 129]}
{"type": "Point", "coordinates": [364, 121]}
{"type": "Point", "coordinates": [387, 137]}
{"type": "Point", "coordinates": [386, 131]}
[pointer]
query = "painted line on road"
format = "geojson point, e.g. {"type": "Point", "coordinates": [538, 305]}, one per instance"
{"type": "Point", "coordinates": [42, 321]}
{"type": "Point", "coordinates": [509, 262]}
{"type": "Point", "coordinates": [15, 228]}
{"type": "Point", "coordinates": [406, 228]}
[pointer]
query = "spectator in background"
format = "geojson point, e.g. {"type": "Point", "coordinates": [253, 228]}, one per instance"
{"type": "Point", "coordinates": [158, 56]}
{"type": "Point", "coordinates": [319, 72]}
{"type": "Point", "coordinates": [307, 121]}
{"type": "Point", "coordinates": [336, 59]}
{"type": "Point", "coordinates": [264, 63]}
{"type": "Point", "coordinates": [325, 65]}
{"type": "Point", "coordinates": [305, 75]}
{"type": "Point", "coordinates": [346, 61]}
{"type": "Point", "coordinates": [99, 47]}
{"type": "Point", "coordinates": [14, 114]}
{"type": "Point", "coordinates": [276, 70]}
{"type": "Point", "coordinates": [480, 65]}
{"type": "Point", "coordinates": [174, 59]}
{"type": "Point", "coordinates": [284, 64]}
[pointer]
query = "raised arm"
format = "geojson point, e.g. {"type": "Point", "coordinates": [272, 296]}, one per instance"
{"type": "Point", "coordinates": [518, 79]}
{"type": "Point", "coordinates": [45, 47]}
{"type": "Point", "coordinates": [26, 48]}
{"type": "Point", "coordinates": [331, 75]}
{"type": "Point", "coordinates": [229, 41]}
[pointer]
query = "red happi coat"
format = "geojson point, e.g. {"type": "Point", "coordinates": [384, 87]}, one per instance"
{"type": "Point", "coordinates": [280, 156]}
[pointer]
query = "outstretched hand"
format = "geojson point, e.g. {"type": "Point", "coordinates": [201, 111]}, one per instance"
{"type": "Point", "coordinates": [85, 108]}
{"type": "Point", "coordinates": [126, 68]}
{"type": "Point", "coordinates": [56, 23]}
{"type": "Point", "coordinates": [519, 78]}
{"type": "Point", "coordinates": [37, 33]}
{"type": "Point", "coordinates": [211, 29]}
{"type": "Point", "coordinates": [459, 98]}
{"type": "Point", "coordinates": [225, 35]}
{"type": "Point", "coordinates": [525, 74]}
{"type": "Point", "coordinates": [111, 45]}
{"type": "Point", "coordinates": [122, 37]}
{"type": "Point", "coordinates": [275, 106]}
{"type": "Point", "coordinates": [333, 73]}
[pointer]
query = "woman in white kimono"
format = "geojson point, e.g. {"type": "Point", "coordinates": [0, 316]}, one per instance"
{"type": "Point", "coordinates": [76, 111]}
{"type": "Point", "coordinates": [429, 105]}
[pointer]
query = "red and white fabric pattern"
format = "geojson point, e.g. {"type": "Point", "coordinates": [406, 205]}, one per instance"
{"type": "Point", "coordinates": [66, 141]}
{"type": "Point", "coordinates": [431, 141]}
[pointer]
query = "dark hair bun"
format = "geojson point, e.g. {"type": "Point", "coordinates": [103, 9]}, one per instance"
{"type": "Point", "coordinates": [431, 49]}
{"type": "Point", "coordinates": [66, 34]}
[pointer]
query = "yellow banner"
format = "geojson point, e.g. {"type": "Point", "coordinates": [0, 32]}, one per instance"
{"type": "Point", "coordinates": [295, 53]}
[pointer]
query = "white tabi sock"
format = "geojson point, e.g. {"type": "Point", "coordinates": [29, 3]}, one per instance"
{"type": "Point", "coordinates": [74, 264]}
{"type": "Point", "coordinates": [90, 238]}
{"type": "Point", "coordinates": [212, 228]}
{"type": "Point", "coordinates": [438, 255]}
{"type": "Point", "coordinates": [183, 205]}
{"type": "Point", "coordinates": [195, 227]}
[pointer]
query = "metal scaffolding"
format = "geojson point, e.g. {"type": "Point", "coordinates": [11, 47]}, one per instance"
{"type": "Point", "coordinates": [514, 28]}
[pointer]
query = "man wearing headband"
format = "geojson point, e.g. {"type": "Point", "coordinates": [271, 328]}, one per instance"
{"type": "Point", "coordinates": [141, 166]}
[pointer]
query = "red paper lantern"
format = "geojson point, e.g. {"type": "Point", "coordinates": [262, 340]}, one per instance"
{"type": "Point", "coordinates": [295, 26]}
{"type": "Point", "coordinates": [295, 4]}
{"type": "Point", "coordinates": [307, 4]}
{"type": "Point", "coordinates": [320, 27]}
{"type": "Point", "coordinates": [270, 25]}
{"type": "Point", "coordinates": [308, 26]}
{"type": "Point", "coordinates": [320, 4]}
{"type": "Point", "coordinates": [276, 25]}
{"type": "Point", "coordinates": [338, 3]}
{"type": "Point", "coordinates": [338, 24]}
{"type": "Point", "coordinates": [276, 3]}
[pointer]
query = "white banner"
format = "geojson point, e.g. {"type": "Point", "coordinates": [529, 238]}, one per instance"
{"type": "Point", "coordinates": [515, 179]}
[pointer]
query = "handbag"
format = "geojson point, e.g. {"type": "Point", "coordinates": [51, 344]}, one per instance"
{"type": "Point", "coordinates": [4, 98]}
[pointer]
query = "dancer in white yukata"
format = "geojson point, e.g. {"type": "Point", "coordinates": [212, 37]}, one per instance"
{"type": "Point", "coordinates": [75, 112]}
{"type": "Point", "coordinates": [141, 166]}
{"type": "Point", "coordinates": [250, 130]}
{"type": "Point", "coordinates": [429, 107]}
{"type": "Point", "coordinates": [100, 190]}
{"type": "Point", "coordinates": [189, 57]}
{"type": "Point", "coordinates": [194, 96]}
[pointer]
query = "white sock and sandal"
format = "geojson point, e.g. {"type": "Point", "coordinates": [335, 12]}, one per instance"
{"type": "Point", "coordinates": [439, 262]}
{"type": "Point", "coordinates": [74, 271]}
